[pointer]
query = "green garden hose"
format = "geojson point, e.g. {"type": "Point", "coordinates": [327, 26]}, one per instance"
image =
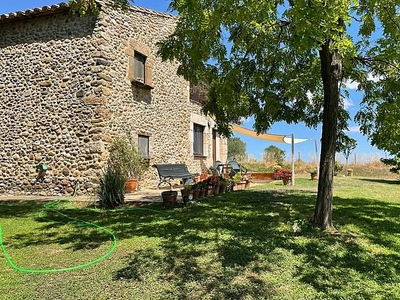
{"type": "Point", "coordinates": [53, 207]}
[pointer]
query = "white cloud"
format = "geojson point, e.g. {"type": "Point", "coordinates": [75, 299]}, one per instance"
{"type": "Point", "coordinates": [352, 85]}
{"type": "Point", "coordinates": [374, 78]}
{"type": "Point", "coordinates": [347, 103]}
{"type": "Point", "coordinates": [354, 129]}
{"type": "Point", "coordinates": [247, 121]}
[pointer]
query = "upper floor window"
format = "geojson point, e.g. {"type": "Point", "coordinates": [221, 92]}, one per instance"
{"type": "Point", "coordinates": [199, 92]}
{"type": "Point", "coordinates": [139, 67]}
{"type": "Point", "coordinates": [198, 141]}
{"type": "Point", "coordinates": [143, 146]}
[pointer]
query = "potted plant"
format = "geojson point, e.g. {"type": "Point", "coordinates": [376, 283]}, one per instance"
{"type": "Point", "coordinates": [237, 185]}
{"type": "Point", "coordinates": [202, 187]}
{"type": "Point", "coordinates": [285, 175]}
{"type": "Point", "coordinates": [313, 174]}
{"type": "Point", "coordinates": [223, 185]}
{"type": "Point", "coordinates": [196, 190]}
{"type": "Point", "coordinates": [276, 168]}
{"type": "Point", "coordinates": [212, 185]}
{"type": "Point", "coordinates": [124, 156]}
{"type": "Point", "coordinates": [186, 192]}
{"type": "Point", "coordinates": [169, 197]}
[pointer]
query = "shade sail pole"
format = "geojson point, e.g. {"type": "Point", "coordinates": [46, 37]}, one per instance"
{"type": "Point", "coordinates": [292, 159]}
{"type": "Point", "coordinates": [316, 156]}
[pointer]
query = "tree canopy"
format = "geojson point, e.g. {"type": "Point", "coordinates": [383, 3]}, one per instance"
{"type": "Point", "coordinates": [236, 148]}
{"type": "Point", "coordinates": [288, 61]}
{"type": "Point", "coordinates": [346, 145]}
{"type": "Point", "coordinates": [274, 155]}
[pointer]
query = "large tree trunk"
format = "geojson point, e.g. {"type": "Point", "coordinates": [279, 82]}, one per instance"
{"type": "Point", "coordinates": [331, 70]}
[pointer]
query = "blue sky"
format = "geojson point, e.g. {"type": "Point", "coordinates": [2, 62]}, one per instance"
{"type": "Point", "coordinates": [255, 147]}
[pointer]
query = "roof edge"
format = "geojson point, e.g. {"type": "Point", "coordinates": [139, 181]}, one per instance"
{"type": "Point", "coordinates": [64, 6]}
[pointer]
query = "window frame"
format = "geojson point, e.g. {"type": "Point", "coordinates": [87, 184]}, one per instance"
{"type": "Point", "coordinates": [135, 50]}
{"type": "Point", "coordinates": [198, 139]}
{"type": "Point", "coordinates": [146, 153]}
{"type": "Point", "coordinates": [139, 63]}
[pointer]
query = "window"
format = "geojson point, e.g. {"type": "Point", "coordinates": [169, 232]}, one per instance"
{"type": "Point", "coordinates": [139, 67]}
{"type": "Point", "coordinates": [143, 142]}
{"type": "Point", "coordinates": [198, 143]}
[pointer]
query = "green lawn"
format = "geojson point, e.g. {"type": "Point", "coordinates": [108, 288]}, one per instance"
{"type": "Point", "coordinates": [251, 244]}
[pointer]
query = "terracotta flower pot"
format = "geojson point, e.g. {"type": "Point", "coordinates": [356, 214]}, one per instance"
{"type": "Point", "coordinates": [222, 188]}
{"type": "Point", "coordinates": [131, 185]}
{"type": "Point", "coordinates": [216, 189]}
{"type": "Point", "coordinates": [202, 193]}
{"type": "Point", "coordinates": [186, 195]}
{"type": "Point", "coordinates": [169, 197]}
{"type": "Point", "coordinates": [196, 194]}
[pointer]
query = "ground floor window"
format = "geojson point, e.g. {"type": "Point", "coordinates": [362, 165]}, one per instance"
{"type": "Point", "coordinates": [198, 139]}
{"type": "Point", "coordinates": [143, 146]}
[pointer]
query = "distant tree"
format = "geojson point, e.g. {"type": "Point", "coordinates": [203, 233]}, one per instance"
{"type": "Point", "coordinates": [236, 148]}
{"type": "Point", "coordinates": [345, 145]}
{"type": "Point", "coordinates": [274, 154]}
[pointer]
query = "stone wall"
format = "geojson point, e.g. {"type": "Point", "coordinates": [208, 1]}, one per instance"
{"type": "Point", "coordinates": [65, 91]}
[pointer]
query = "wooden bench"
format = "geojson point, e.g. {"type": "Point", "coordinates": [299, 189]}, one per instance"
{"type": "Point", "coordinates": [167, 172]}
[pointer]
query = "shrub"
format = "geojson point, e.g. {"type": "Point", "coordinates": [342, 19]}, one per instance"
{"type": "Point", "coordinates": [111, 190]}
{"type": "Point", "coordinates": [338, 167]}
{"type": "Point", "coordinates": [125, 157]}
{"type": "Point", "coordinates": [283, 173]}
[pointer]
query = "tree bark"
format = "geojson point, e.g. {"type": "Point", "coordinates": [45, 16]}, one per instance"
{"type": "Point", "coordinates": [331, 71]}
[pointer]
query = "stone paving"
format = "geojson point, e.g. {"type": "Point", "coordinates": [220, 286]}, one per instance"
{"type": "Point", "coordinates": [142, 196]}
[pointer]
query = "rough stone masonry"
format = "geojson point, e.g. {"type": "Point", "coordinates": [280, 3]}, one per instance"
{"type": "Point", "coordinates": [66, 90]}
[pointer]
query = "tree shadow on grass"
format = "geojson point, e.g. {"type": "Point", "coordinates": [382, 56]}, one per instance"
{"type": "Point", "coordinates": [242, 235]}
{"type": "Point", "coordinates": [244, 245]}
{"type": "Point", "coordinates": [385, 181]}
{"type": "Point", "coordinates": [19, 209]}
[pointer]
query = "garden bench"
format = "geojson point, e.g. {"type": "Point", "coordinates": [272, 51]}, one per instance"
{"type": "Point", "coordinates": [167, 172]}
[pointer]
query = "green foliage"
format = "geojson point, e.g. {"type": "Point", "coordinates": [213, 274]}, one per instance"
{"type": "Point", "coordinates": [111, 189]}
{"type": "Point", "coordinates": [236, 178]}
{"type": "Point", "coordinates": [346, 145]}
{"type": "Point", "coordinates": [124, 157]}
{"type": "Point", "coordinates": [394, 162]}
{"type": "Point", "coordinates": [380, 115]}
{"type": "Point", "coordinates": [275, 155]}
{"type": "Point", "coordinates": [285, 61]}
{"type": "Point", "coordinates": [265, 55]}
{"type": "Point", "coordinates": [338, 167]}
{"type": "Point", "coordinates": [236, 148]}
{"type": "Point", "coordinates": [83, 7]}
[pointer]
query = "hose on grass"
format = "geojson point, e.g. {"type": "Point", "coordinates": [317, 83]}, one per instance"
{"type": "Point", "coordinates": [54, 207]}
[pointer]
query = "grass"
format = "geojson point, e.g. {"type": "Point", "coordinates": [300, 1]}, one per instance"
{"type": "Point", "coordinates": [251, 244]}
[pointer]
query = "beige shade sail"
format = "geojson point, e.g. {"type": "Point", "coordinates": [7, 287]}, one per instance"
{"type": "Point", "coordinates": [265, 136]}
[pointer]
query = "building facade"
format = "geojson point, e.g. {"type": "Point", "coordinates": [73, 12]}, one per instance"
{"type": "Point", "coordinates": [70, 84]}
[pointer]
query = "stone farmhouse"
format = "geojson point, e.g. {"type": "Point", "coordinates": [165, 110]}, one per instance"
{"type": "Point", "coordinates": [69, 84]}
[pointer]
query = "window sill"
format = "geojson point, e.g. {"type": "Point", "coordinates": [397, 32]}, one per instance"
{"type": "Point", "coordinates": [199, 156]}
{"type": "Point", "coordinates": [141, 85]}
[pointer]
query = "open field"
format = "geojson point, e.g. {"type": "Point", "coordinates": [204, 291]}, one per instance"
{"type": "Point", "coordinates": [251, 244]}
